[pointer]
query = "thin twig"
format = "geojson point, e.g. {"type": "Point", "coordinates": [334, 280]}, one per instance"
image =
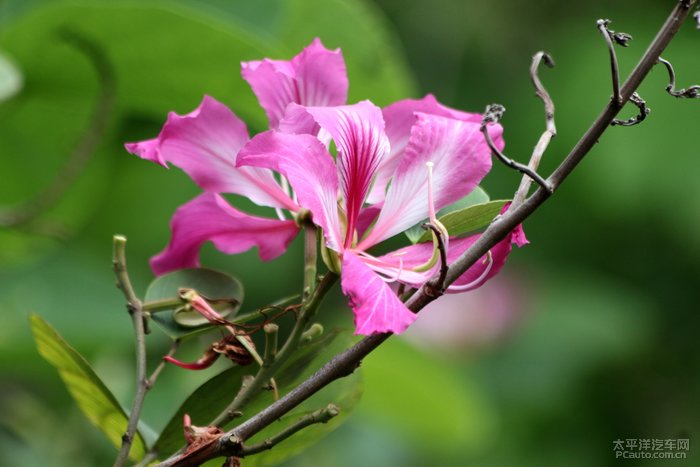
{"type": "Point", "coordinates": [133, 304]}
{"type": "Point", "coordinates": [493, 114]}
{"type": "Point", "coordinates": [320, 416]}
{"type": "Point", "coordinates": [550, 128]}
{"type": "Point", "coordinates": [641, 104]}
{"type": "Point", "coordinates": [347, 361]}
{"type": "Point", "coordinates": [693, 92]}
{"type": "Point", "coordinates": [154, 376]}
{"type": "Point", "coordinates": [29, 210]}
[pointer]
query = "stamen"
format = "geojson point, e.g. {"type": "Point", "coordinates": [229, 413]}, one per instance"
{"type": "Point", "coordinates": [431, 204]}
{"type": "Point", "coordinates": [479, 280]}
{"type": "Point", "coordinates": [284, 184]}
{"type": "Point", "coordinates": [280, 214]}
{"type": "Point", "coordinates": [396, 277]}
{"type": "Point", "coordinates": [445, 237]}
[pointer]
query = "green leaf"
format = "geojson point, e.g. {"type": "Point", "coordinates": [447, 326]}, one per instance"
{"type": "Point", "coordinates": [92, 396]}
{"type": "Point", "coordinates": [224, 292]}
{"type": "Point", "coordinates": [207, 401]}
{"type": "Point", "coordinates": [477, 196]}
{"type": "Point", "coordinates": [469, 219]}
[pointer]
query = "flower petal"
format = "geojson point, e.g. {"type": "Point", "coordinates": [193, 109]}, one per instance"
{"type": "Point", "coordinates": [315, 77]}
{"type": "Point", "coordinates": [210, 217]}
{"type": "Point", "coordinates": [149, 150]}
{"type": "Point", "coordinates": [305, 162]}
{"type": "Point", "coordinates": [358, 132]}
{"type": "Point", "coordinates": [377, 308]}
{"type": "Point", "coordinates": [204, 144]}
{"type": "Point", "coordinates": [400, 117]}
{"type": "Point", "coordinates": [480, 272]}
{"type": "Point", "coordinates": [460, 160]}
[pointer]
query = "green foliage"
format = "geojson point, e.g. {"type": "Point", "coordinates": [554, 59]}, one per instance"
{"type": "Point", "coordinates": [469, 220]}
{"type": "Point", "coordinates": [90, 393]}
{"type": "Point", "coordinates": [429, 404]}
{"type": "Point", "coordinates": [224, 293]}
{"type": "Point", "coordinates": [157, 71]}
{"type": "Point", "coordinates": [207, 401]}
{"type": "Point", "coordinates": [469, 214]}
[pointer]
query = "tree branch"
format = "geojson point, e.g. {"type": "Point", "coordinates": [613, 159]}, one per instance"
{"type": "Point", "coordinates": [343, 364]}
{"type": "Point", "coordinates": [323, 415]}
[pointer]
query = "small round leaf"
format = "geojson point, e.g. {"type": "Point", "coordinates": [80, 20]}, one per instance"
{"type": "Point", "coordinates": [223, 292]}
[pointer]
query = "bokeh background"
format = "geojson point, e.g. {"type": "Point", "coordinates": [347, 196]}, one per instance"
{"type": "Point", "coordinates": [588, 336]}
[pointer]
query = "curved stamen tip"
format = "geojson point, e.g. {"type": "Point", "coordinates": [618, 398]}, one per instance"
{"type": "Point", "coordinates": [478, 282]}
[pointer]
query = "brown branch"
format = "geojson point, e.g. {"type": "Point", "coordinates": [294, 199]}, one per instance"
{"type": "Point", "coordinates": [343, 364]}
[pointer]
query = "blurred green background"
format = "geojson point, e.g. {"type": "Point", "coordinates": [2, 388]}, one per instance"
{"type": "Point", "coordinates": [588, 336]}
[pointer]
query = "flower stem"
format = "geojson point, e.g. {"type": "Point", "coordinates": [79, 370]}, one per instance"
{"type": "Point", "coordinates": [133, 304]}
{"type": "Point", "coordinates": [310, 259]}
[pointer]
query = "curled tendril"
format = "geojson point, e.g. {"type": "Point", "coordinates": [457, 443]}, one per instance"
{"type": "Point", "coordinates": [611, 38]}
{"type": "Point", "coordinates": [493, 114]}
{"type": "Point", "coordinates": [692, 92]}
{"type": "Point", "coordinates": [641, 104]}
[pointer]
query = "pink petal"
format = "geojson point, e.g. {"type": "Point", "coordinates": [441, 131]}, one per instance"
{"type": "Point", "coordinates": [358, 132]}
{"type": "Point", "coordinates": [305, 162]}
{"type": "Point", "coordinates": [400, 117]}
{"type": "Point", "coordinates": [148, 149]}
{"type": "Point", "coordinates": [377, 308]}
{"type": "Point", "coordinates": [210, 217]}
{"type": "Point", "coordinates": [461, 159]}
{"type": "Point", "coordinates": [415, 255]}
{"type": "Point", "coordinates": [204, 144]}
{"type": "Point", "coordinates": [315, 77]}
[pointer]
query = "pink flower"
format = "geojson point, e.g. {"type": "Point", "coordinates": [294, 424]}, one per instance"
{"type": "Point", "coordinates": [205, 144]}
{"type": "Point", "coordinates": [439, 156]}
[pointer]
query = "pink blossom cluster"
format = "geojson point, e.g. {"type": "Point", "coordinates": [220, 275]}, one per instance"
{"type": "Point", "coordinates": [391, 168]}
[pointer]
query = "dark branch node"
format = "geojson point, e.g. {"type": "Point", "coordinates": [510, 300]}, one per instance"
{"type": "Point", "coordinates": [637, 100]}
{"type": "Point", "coordinates": [493, 114]}
{"type": "Point", "coordinates": [692, 92]}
